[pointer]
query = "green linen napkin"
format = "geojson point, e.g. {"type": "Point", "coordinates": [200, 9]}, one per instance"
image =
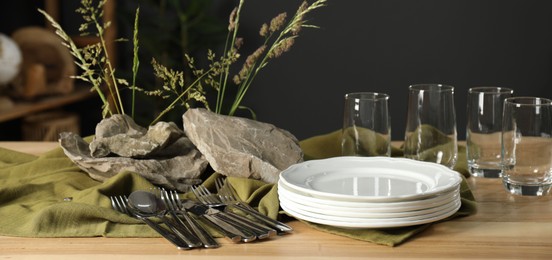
{"type": "Point", "coordinates": [48, 196]}
{"type": "Point", "coordinates": [329, 145]}
{"type": "Point", "coordinates": [360, 141]}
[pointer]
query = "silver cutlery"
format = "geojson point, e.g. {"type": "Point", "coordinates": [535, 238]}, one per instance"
{"type": "Point", "coordinates": [120, 203]}
{"type": "Point", "coordinates": [172, 201]}
{"type": "Point", "coordinates": [212, 200]}
{"type": "Point", "coordinates": [228, 196]}
{"type": "Point", "coordinates": [149, 205]}
{"type": "Point", "coordinates": [216, 217]}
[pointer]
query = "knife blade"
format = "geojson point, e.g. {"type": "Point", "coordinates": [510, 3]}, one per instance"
{"type": "Point", "coordinates": [280, 227]}
{"type": "Point", "coordinates": [226, 226]}
{"type": "Point", "coordinates": [261, 231]}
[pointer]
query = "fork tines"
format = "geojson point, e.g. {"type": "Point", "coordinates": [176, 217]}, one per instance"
{"type": "Point", "coordinates": [119, 203]}
{"type": "Point", "coordinates": [205, 196]}
{"type": "Point", "coordinates": [227, 195]}
{"type": "Point", "coordinates": [173, 202]}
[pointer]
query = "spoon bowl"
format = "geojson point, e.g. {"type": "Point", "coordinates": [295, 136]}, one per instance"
{"type": "Point", "coordinates": [147, 205]}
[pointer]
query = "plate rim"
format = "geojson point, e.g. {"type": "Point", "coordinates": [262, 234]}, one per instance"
{"type": "Point", "coordinates": [368, 207]}
{"type": "Point", "coordinates": [368, 214]}
{"type": "Point", "coordinates": [335, 196]}
{"type": "Point", "coordinates": [373, 225]}
{"type": "Point", "coordinates": [396, 205]}
{"type": "Point", "coordinates": [450, 206]}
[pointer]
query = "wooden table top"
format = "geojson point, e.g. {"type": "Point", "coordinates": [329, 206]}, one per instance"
{"type": "Point", "coordinates": [505, 227]}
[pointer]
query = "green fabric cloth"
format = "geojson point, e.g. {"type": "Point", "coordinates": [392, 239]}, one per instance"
{"type": "Point", "coordinates": [48, 196]}
{"type": "Point", "coordinates": [329, 145]}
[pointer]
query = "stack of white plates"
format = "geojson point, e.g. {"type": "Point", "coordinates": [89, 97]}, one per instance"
{"type": "Point", "coordinates": [369, 192]}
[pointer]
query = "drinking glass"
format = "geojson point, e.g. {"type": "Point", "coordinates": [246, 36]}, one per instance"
{"type": "Point", "coordinates": [366, 125]}
{"type": "Point", "coordinates": [527, 145]}
{"type": "Point", "coordinates": [483, 130]}
{"type": "Point", "coordinates": [431, 124]}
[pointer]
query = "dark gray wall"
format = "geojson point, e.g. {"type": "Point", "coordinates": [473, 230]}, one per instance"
{"type": "Point", "coordinates": [386, 45]}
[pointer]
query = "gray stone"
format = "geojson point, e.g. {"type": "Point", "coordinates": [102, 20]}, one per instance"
{"type": "Point", "coordinates": [120, 135]}
{"type": "Point", "coordinates": [177, 167]}
{"type": "Point", "coordinates": [118, 124]}
{"type": "Point", "coordinates": [242, 147]}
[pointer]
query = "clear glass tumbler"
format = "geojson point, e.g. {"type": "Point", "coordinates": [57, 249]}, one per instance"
{"type": "Point", "coordinates": [527, 145]}
{"type": "Point", "coordinates": [483, 130]}
{"type": "Point", "coordinates": [431, 124]}
{"type": "Point", "coordinates": [366, 125]}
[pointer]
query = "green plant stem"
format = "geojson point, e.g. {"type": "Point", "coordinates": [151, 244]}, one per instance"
{"type": "Point", "coordinates": [224, 76]}
{"type": "Point", "coordinates": [110, 71]}
{"type": "Point", "coordinates": [242, 90]}
{"type": "Point", "coordinates": [179, 98]}
{"type": "Point", "coordinates": [76, 53]}
{"type": "Point", "coordinates": [244, 86]}
{"type": "Point", "coordinates": [135, 60]}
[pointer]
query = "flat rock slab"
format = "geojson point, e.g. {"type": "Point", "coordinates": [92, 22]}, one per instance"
{"type": "Point", "coordinates": [242, 147]}
{"type": "Point", "coordinates": [178, 167]}
{"type": "Point", "coordinates": [120, 135]}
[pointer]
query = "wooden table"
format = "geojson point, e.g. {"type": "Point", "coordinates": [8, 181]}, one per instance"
{"type": "Point", "coordinates": [505, 227]}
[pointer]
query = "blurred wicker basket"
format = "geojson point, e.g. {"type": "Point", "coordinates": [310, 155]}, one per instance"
{"type": "Point", "coordinates": [48, 125]}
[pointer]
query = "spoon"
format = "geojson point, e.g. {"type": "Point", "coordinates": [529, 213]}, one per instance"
{"type": "Point", "coordinates": [146, 205]}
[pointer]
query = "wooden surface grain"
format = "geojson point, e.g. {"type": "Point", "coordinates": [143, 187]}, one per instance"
{"type": "Point", "coordinates": [505, 227]}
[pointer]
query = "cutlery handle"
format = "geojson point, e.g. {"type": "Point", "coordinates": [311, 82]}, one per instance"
{"type": "Point", "coordinates": [260, 230]}
{"type": "Point", "coordinates": [243, 230]}
{"type": "Point", "coordinates": [279, 226]}
{"type": "Point", "coordinates": [165, 233]}
{"type": "Point", "coordinates": [182, 231]}
{"type": "Point", "coordinates": [227, 229]}
{"type": "Point", "coordinates": [207, 240]}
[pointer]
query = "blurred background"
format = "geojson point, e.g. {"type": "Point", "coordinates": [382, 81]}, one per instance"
{"type": "Point", "coordinates": [361, 45]}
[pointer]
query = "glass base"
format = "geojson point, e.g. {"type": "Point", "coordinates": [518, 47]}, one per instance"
{"type": "Point", "coordinates": [527, 189]}
{"type": "Point", "coordinates": [485, 173]}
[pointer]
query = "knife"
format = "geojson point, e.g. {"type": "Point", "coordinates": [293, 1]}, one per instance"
{"type": "Point", "coordinates": [261, 231]}
{"type": "Point", "coordinates": [280, 227]}
{"type": "Point", "coordinates": [226, 226]}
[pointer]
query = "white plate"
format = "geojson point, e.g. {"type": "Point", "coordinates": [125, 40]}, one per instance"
{"type": "Point", "coordinates": [364, 223]}
{"type": "Point", "coordinates": [400, 206]}
{"type": "Point", "coordinates": [323, 216]}
{"type": "Point", "coordinates": [350, 212]}
{"type": "Point", "coordinates": [370, 179]}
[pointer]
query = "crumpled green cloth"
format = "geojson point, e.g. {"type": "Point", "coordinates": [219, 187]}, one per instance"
{"type": "Point", "coordinates": [329, 145]}
{"type": "Point", "coordinates": [49, 196]}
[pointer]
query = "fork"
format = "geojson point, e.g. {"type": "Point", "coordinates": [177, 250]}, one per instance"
{"type": "Point", "coordinates": [120, 204]}
{"type": "Point", "coordinates": [172, 201]}
{"type": "Point", "coordinates": [228, 195]}
{"type": "Point", "coordinates": [261, 231]}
